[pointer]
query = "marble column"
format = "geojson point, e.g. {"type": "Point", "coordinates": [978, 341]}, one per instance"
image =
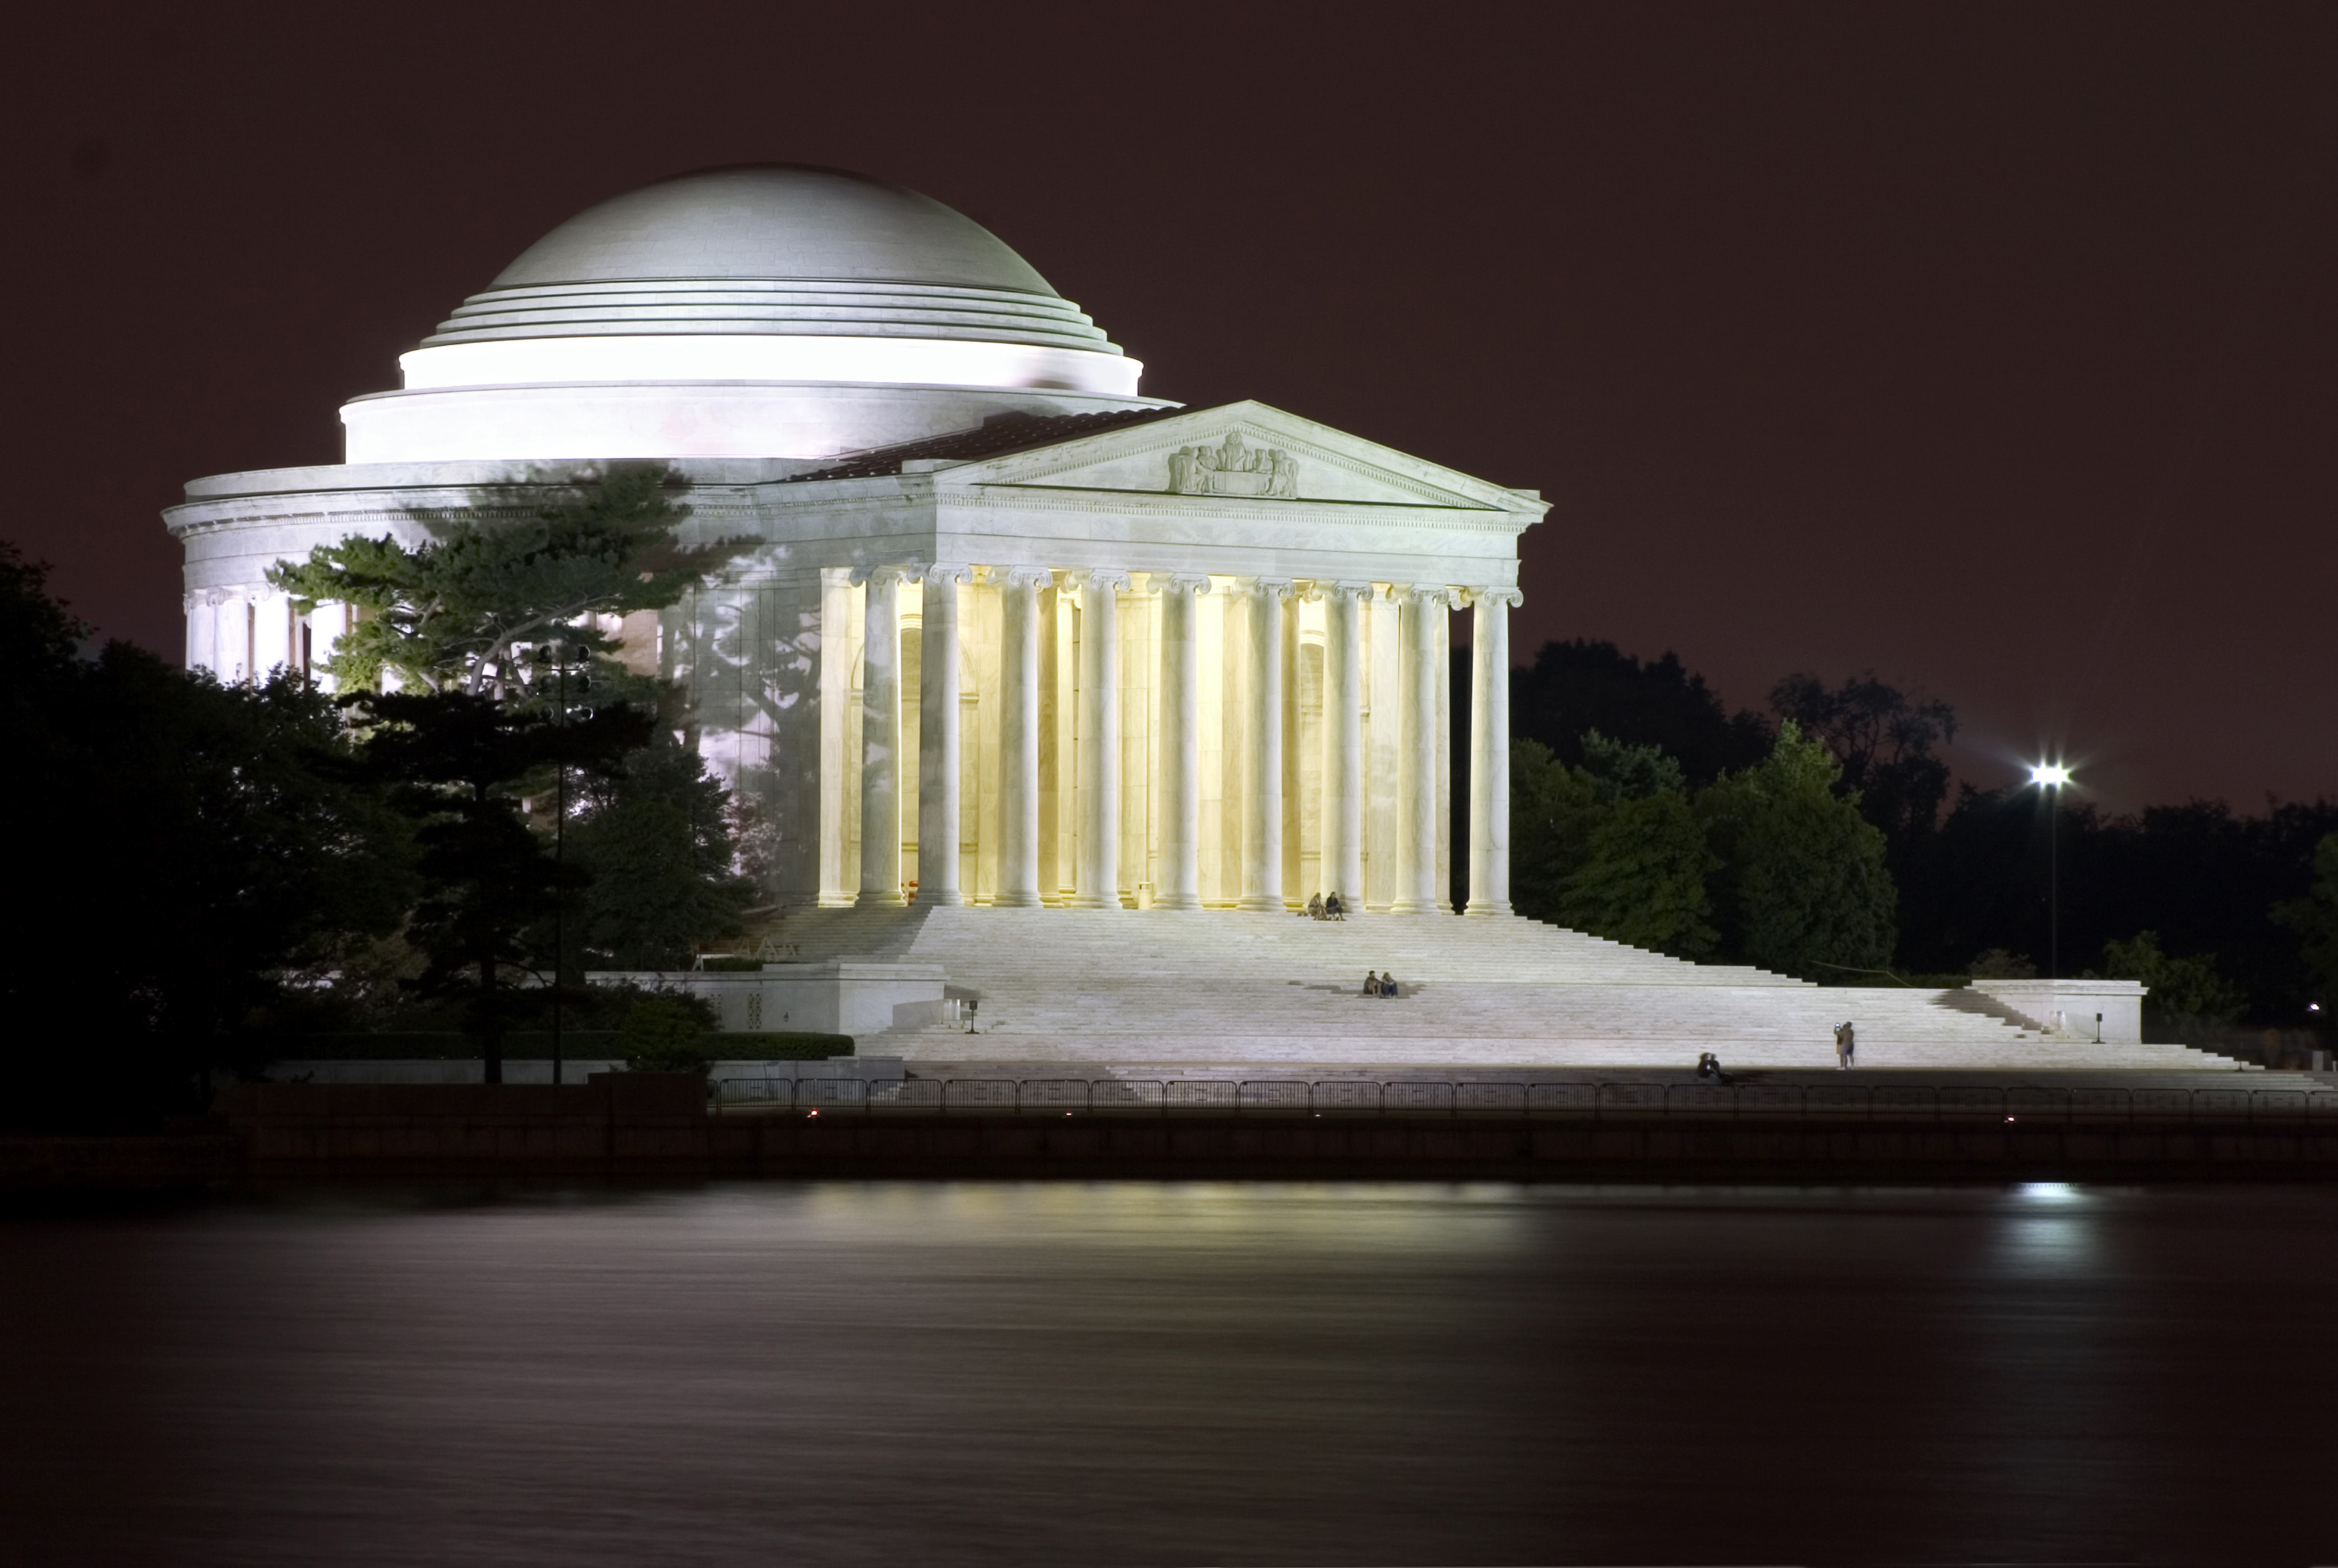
{"type": "Point", "coordinates": [1180, 745]}
{"type": "Point", "coordinates": [1343, 742]}
{"type": "Point", "coordinates": [1097, 866]}
{"type": "Point", "coordinates": [938, 739]}
{"type": "Point", "coordinates": [203, 630]}
{"type": "Point", "coordinates": [271, 635]}
{"type": "Point", "coordinates": [329, 623]}
{"type": "Point", "coordinates": [1262, 775]}
{"type": "Point", "coordinates": [1416, 849]}
{"type": "Point", "coordinates": [1489, 751]}
{"type": "Point", "coordinates": [1019, 741]}
{"type": "Point", "coordinates": [880, 739]}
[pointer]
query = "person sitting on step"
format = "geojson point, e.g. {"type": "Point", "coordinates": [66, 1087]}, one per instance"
{"type": "Point", "coordinates": [1371, 981]}
{"type": "Point", "coordinates": [1389, 987]}
{"type": "Point", "coordinates": [1333, 909]}
{"type": "Point", "coordinates": [1315, 907]}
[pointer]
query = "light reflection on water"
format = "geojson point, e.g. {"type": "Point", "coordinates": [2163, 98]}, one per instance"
{"type": "Point", "coordinates": [1147, 1372]}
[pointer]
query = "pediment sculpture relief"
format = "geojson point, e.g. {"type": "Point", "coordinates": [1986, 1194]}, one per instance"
{"type": "Point", "coordinates": [1232, 469]}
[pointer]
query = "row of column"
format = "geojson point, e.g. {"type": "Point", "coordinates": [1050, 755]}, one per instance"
{"type": "Point", "coordinates": [1097, 868]}
{"type": "Point", "coordinates": [243, 635]}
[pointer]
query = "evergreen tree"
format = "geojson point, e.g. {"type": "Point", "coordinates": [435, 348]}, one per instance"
{"type": "Point", "coordinates": [2315, 919]}
{"type": "Point", "coordinates": [1802, 888]}
{"type": "Point", "coordinates": [1551, 809]}
{"type": "Point", "coordinates": [492, 609]}
{"type": "Point", "coordinates": [2183, 994]}
{"type": "Point", "coordinates": [655, 841]}
{"type": "Point", "coordinates": [1611, 848]}
{"type": "Point", "coordinates": [458, 765]}
{"type": "Point", "coordinates": [183, 847]}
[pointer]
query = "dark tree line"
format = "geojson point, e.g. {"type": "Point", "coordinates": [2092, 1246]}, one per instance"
{"type": "Point", "coordinates": [199, 869]}
{"type": "Point", "coordinates": [2234, 896]}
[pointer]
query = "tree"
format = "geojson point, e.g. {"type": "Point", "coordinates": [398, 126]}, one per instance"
{"type": "Point", "coordinates": [458, 765]}
{"type": "Point", "coordinates": [2184, 992]}
{"type": "Point", "coordinates": [183, 847]}
{"type": "Point", "coordinates": [1574, 688]}
{"type": "Point", "coordinates": [2315, 919]}
{"type": "Point", "coordinates": [1883, 740]}
{"type": "Point", "coordinates": [496, 625]}
{"type": "Point", "coordinates": [1802, 886]}
{"type": "Point", "coordinates": [491, 607]}
{"type": "Point", "coordinates": [1611, 848]}
{"type": "Point", "coordinates": [654, 836]}
{"type": "Point", "coordinates": [1552, 807]}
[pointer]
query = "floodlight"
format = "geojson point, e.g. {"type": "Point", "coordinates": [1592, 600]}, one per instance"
{"type": "Point", "coordinates": [2050, 774]}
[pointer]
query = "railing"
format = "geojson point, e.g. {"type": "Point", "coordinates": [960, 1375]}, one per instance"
{"type": "Point", "coordinates": [1580, 1100]}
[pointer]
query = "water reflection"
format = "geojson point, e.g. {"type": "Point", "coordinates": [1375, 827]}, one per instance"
{"type": "Point", "coordinates": [992, 1373]}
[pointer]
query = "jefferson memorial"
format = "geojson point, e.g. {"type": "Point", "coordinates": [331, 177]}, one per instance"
{"type": "Point", "coordinates": [1016, 634]}
{"type": "Point", "coordinates": [1050, 696]}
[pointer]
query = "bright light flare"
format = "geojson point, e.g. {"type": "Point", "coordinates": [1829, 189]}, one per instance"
{"type": "Point", "coordinates": [2052, 775]}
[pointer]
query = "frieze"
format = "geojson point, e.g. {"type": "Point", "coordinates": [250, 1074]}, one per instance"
{"type": "Point", "coordinates": [1233, 468]}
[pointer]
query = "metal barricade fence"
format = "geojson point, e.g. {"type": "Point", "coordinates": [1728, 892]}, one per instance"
{"type": "Point", "coordinates": [1631, 1100]}
{"type": "Point", "coordinates": [752, 1091]}
{"type": "Point", "coordinates": [2101, 1105]}
{"type": "Point", "coordinates": [1202, 1095]}
{"type": "Point", "coordinates": [1345, 1097]}
{"type": "Point", "coordinates": [1287, 1095]}
{"type": "Point", "coordinates": [2220, 1104]}
{"type": "Point", "coordinates": [2031, 1104]}
{"type": "Point", "coordinates": [2019, 1104]}
{"type": "Point", "coordinates": [992, 1095]}
{"type": "Point", "coordinates": [1068, 1096]}
{"type": "Point", "coordinates": [1907, 1102]}
{"type": "Point", "coordinates": [831, 1094]}
{"type": "Point", "coordinates": [1563, 1100]}
{"type": "Point", "coordinates": [1490, 1099]}
{"type": "Point", "coordinates": [1836, 1101]}
{"type": "Point", "coordinates": [1711, 1101]}
{"type": "Point", "coordinates": [1962, 1102]}
{"type": "Point", "coordinates": [1124, 1094]}
{"type": "Point", "coordinates": [2277, 1105]}
{"type": "Point", "coordinates": [909, 1095]}
{"type": "Point", "coordinates": [1414, 1097]}
{"type": "Point", "coordinates": [1782, 1102]}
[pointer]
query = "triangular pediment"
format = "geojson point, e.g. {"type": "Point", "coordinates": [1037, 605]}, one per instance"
{"type": "Point", "coordinates": [1248, 454]}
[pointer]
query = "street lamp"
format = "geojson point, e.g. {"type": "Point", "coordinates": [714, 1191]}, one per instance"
{"type": "Point", "coordinates": [2052, 777]}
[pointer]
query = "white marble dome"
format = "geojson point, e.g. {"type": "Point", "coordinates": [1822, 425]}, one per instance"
{"type": "Point", "coordinates": [763, 311]}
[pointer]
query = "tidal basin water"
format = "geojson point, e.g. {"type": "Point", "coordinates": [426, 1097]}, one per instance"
{"type": "Point", "coordinates": [1174, 1373]}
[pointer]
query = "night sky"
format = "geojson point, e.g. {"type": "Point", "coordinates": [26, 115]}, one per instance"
{"type": "Point", "coordinates": [1988, 346]}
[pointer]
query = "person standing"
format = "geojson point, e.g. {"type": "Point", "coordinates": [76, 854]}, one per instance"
{"type": "Point", "coordinates": [1846, 1044]}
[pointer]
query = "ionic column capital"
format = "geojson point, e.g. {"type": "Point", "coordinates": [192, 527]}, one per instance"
{"type": "Point", "coordinates": [1101, 579]}
{"type": "Point", "coordinates": [1266, 587]}
{"type": "Point", "coordinates": [1508, 598]}
{"type": "Point", "coordinates": [887, 577]}
{"type": "Point", "coordinates": [1356, 590]}
{"type": "Point", "coordinates": [942, 570]}
{"type": "Point", "coordinates": [1428, 594]}
{"type": "Point", "coordinates": [1185, 583]}
{"type": "Point", "coordinates": [1024, 577]}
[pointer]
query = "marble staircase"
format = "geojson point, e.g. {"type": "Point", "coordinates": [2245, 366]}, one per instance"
{"type": "Point", "coordinates": [1179, 989]}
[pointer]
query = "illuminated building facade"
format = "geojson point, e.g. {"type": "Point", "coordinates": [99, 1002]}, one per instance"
{"type": "Point", "coordinates": [1013, 634]}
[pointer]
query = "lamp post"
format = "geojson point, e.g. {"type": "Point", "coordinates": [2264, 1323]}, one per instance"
{"type": "Point", "coordinates": [2050, 777]}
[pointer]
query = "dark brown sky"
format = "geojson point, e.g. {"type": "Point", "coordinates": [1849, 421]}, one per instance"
{"type": "Point", "coordinates": [1990, 347]}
